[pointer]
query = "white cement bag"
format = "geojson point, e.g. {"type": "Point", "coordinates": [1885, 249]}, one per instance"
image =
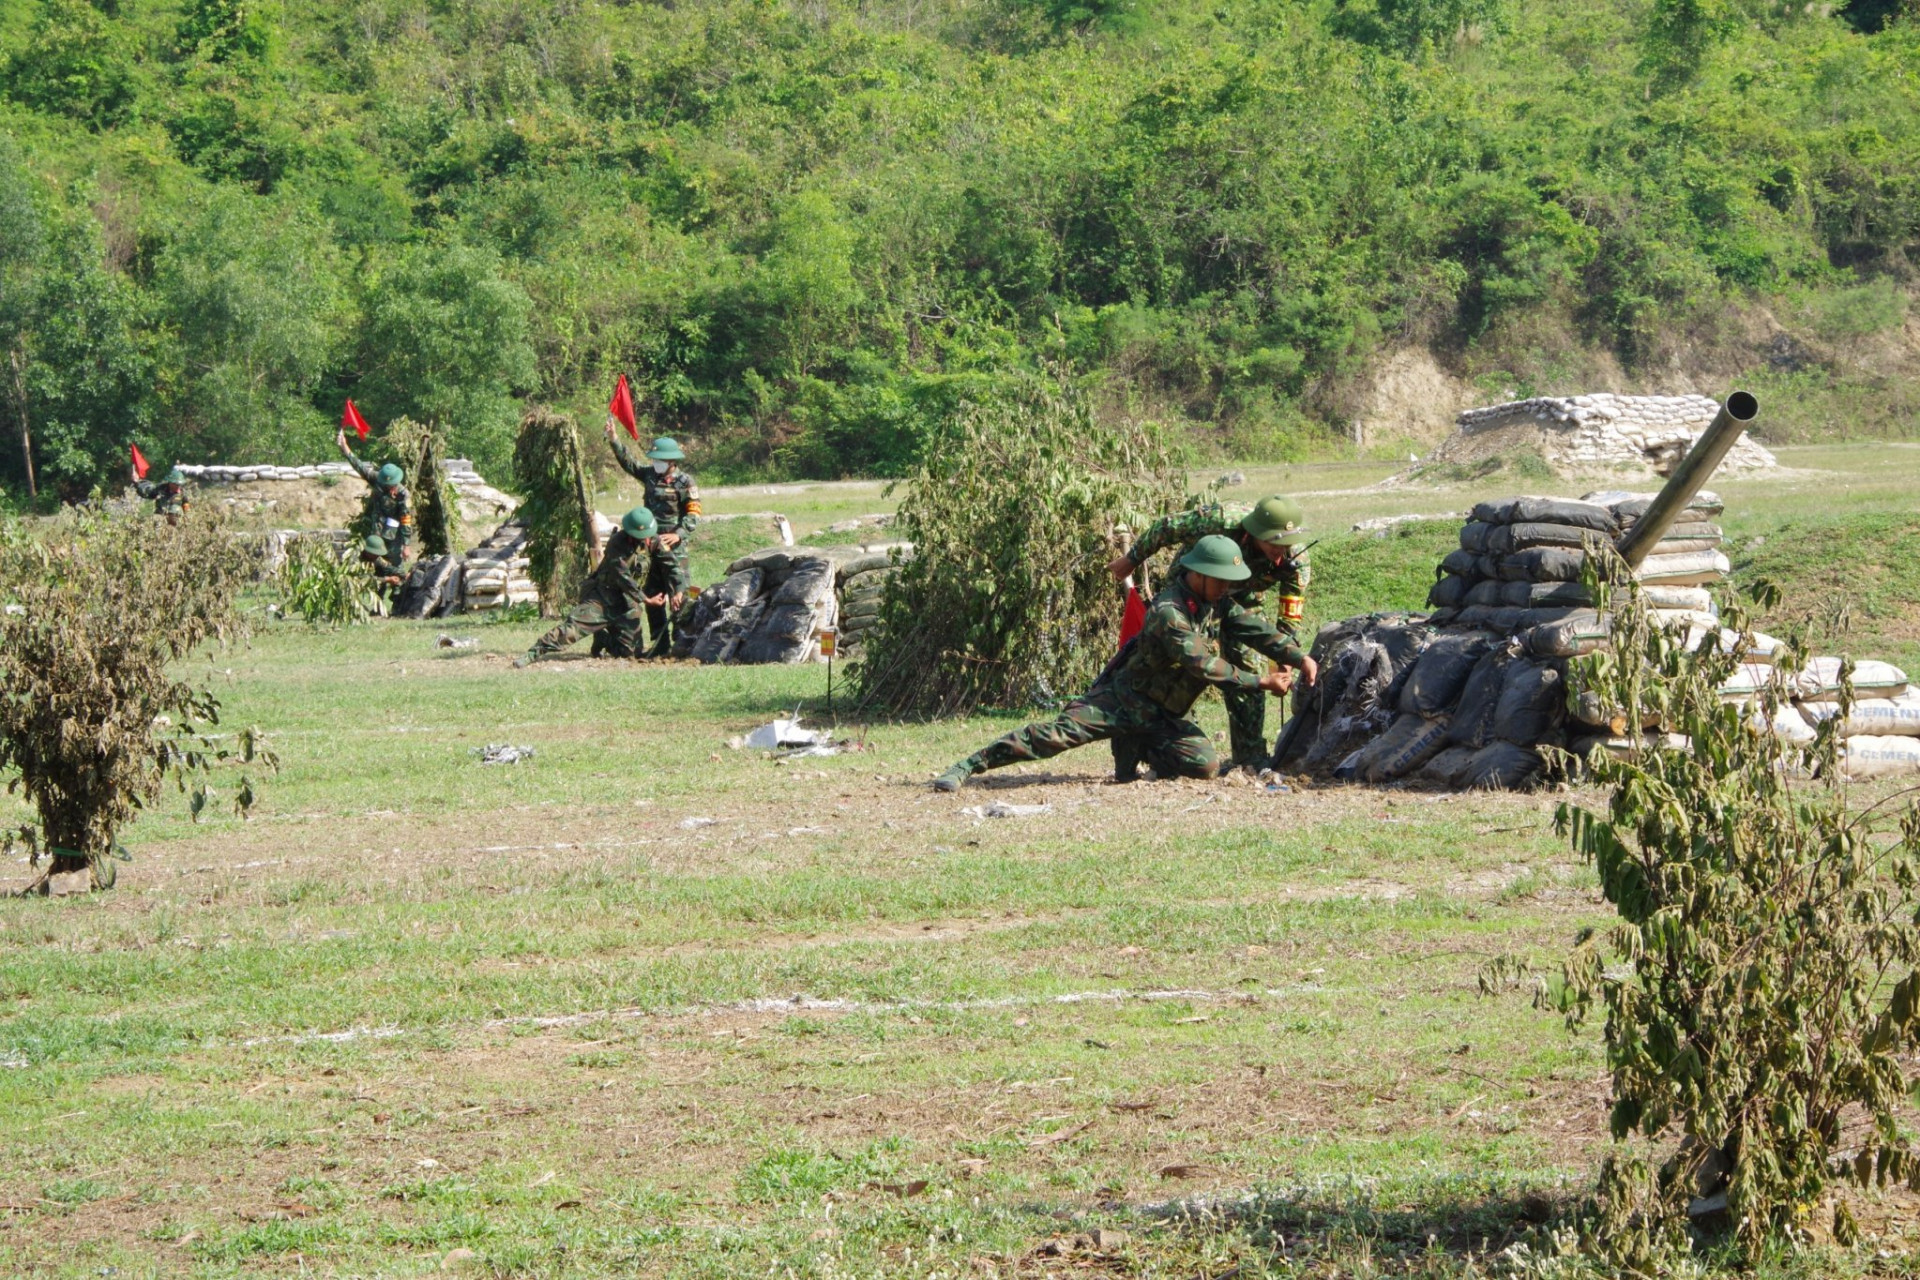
{"type": "Point", "coordinates": [1750, 679]}
{"type": "Point", "coordinates": [1692, 599]}
{"type": "Point", "coordinates": [1821, 680]}
{"type": "Point", "coordinates": [1871, 717]}
{"type": "Point", "coordinates": [1688, 569]}
{"type": "Point", "coordinates": [1870, 757]}
{"type": "Point", "coordinates": [1786, 723]}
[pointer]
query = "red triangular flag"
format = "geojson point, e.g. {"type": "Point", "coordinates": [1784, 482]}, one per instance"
{"type": "Point", "coordinates": [1133, 616]}
{"type": "Point", "coordinates": [352, 418]}
{"type": "Point", "coordinates": [139, 462]}
{"type": "Point", "coordinates": [621, 407]}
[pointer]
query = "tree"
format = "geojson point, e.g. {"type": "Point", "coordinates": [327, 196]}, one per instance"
{"type": "Point", "coordinates": [97, 611]}
{"type": "Point", "coordinates": [445, 339]}
{"type": "Point", "coordinates": [252, 291]}
{"type": "Point", "coordinates": [22, 249]}
{"type": "Point", "coordinates": [74, 64]}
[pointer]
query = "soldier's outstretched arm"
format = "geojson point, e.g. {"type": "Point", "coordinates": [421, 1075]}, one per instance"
{"type": "Point", "coordinates": [639, 469]}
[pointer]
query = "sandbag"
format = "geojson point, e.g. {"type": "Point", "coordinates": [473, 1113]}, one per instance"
{"type": "Point", "coordinates": [1474, 535]}
{"type": "Point", "coordinates": [1628, 507]}
{"type": "Point", "coordinates": [1505, 539]}
{"type": "Point", "coordinates": [432, 589]}
{"type": "Point", "coordinates": [1489, 594]}
{"type": "Point", "coordinates": [1580, 515]}
{"type": "Point", "coordinates": [1543, 564]}
{"type": "Point", "coordinates": [1446, 767]}
{"type": "Point", "coordinates": [1474, 713]}
{"type": "Point", "coordinates": [1690, 599]}
{"type": "Point", "coordinates": [1695, 568]}
{"type": "Point", "coordinates": [1487, 566]}
{"type": "Point", "coordinates": [1530, 698]}
{"type": "Point", "coordinates": [1500, 766]}
{"type": "Point", "coordinates": [1871, 717]}
{"type": "Point", "coordinates": [1493, 511]}
{"type": "Point", "coordinates": [1351, 701]}
{"type": "Point", "coordinates": [1409, 742]}
{"type": "Point", "coordinates": [1460, 561]}
{"type": "Point", "coordinates": [1876, 757]}
{"type": "Point", "coordinates": [1570, 638]}
{"type": "Point", "coordinates": [1535, 595]}
{"type": "Point", "coordinates": [1442, 671]}
{"type": "Point", "coordinates": [1821, 680]}
{"type": "Point", "coordinates": [1502, 618]}
{"type": "Point", "coordinates": [1448, 593]}
{"type": "Point", "coordinates": [1785, 722]}
{"type": "Point", "coordinates": [1685, 530]}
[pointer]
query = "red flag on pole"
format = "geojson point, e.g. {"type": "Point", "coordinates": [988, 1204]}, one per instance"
{"type": "Point", "coordinates": [352, 418]}
{"type": "Point", "coordinates": [621, 407]}
{"type": "Point", "coordinates": [1133, 616]}
{"type": "Point", "coordinates": [139, 462]}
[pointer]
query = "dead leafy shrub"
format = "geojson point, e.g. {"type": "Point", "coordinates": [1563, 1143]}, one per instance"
{"type": "Point", "coordinates": [94, 614]}
{"type": "Point", "coordinates": [1013, 516]}
{"type": "Point", "coordinates": [1759, 991]}
{"type": "Point", "coordinates": [326, 585]}
{"type": "Point", "coordinates": [556, 506]}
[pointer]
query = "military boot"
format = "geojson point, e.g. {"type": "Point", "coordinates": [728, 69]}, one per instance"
{"type": "Point", "coordinates": [1126, 758]}
{"type": "Point", "coordinates": [955, 778]}
{"type": "Point", "coordinates": [524, 659]}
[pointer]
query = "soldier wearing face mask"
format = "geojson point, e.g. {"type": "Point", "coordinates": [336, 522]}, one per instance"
{"type": "Point", "coordinates": [674, 499]}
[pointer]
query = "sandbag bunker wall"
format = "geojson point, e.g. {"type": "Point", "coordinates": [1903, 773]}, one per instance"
{"type": "Point", "coordinates": [477, 497]}
{"type": "Point", "coordinates": [1880, 732]}
{"type": "Point", "coordinates": [1520, 554]}
{"type": "Point", "coordinates": [1465, 697]}
{"type": "Point", "coordinates": [774, 604]}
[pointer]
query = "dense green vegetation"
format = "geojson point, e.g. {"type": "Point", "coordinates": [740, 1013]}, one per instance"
{"type": "Point", "coordinates": [809, 232]}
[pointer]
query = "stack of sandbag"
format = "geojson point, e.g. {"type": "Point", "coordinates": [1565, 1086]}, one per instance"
{"type": "Point", "coordinates": [1519, 561]}
{"type": "Point", "coordinates": [771, 607]}
{"type": "Point", "coordinates": [433, 590]}
{"type": "Point", "coordinates": [1399, 698]}
{"type": "Point", "coordinates": [862, 587]}
{"type": "Point", "coordinates": [495, 573]}
{"type": "Point", "coordinates": [1881, 730]}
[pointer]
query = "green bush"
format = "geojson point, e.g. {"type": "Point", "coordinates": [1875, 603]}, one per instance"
{"type": "Point", "coordinates": [327, 585]}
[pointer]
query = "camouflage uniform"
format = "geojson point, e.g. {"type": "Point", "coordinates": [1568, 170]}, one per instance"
{"type": "Point", "coordinates": [1246, 708]}
{"type": "Point", "coordinates": [169, 500]}
{"type": "Point", "coordinates": [609, 601]}
{"type": "Point", "coordinates": [389, 516]}
{"type": "Point", "coordinates": [1141, 701]}
{"type": "Point", "coordinates": [674, 499]}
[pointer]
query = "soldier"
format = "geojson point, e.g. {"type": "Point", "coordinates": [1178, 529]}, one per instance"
{"type": "Point", "coordinates": [1141, 700]}
{"type": "Point", "coordinates": [387, 573]}
{"type": "Point", "coordinates": [1266, 535]}
{"type": "Point", "coordinates": [389, 507]}
{"type": "Point", "coordinates": [674, 499]}
{"type": "Point", "coordinates": [610, 597]}
{"type": "Point", "coordinates": [169, 495]}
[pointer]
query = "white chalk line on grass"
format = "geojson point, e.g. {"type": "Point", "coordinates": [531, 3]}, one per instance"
{"type": "Point", "coordinates": [805, 1004]}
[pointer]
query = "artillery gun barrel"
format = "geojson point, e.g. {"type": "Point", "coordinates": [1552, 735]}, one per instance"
{"type": "Point", "coordinates": [1707, 453]}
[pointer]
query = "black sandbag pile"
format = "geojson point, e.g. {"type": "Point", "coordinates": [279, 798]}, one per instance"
{"type": "Point", "coordinates": [1518, 556]}
{"type": "Point", "coordinates": [1466, 696]}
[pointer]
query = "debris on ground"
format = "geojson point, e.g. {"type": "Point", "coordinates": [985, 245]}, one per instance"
{"type": "Point", "coordinates": [503, 753]}
{"type": "Point", "coordinates": [446, 641]}
{"type": "Point", "coordinates": [785, 733]}
{"type": "Point", "coordinates": [694, 824]}
{"type": "Point", "coordinates": [1001, 809]}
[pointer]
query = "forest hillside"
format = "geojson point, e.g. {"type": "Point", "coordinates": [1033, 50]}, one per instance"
{"type": "Point", "coordinates": [808, 230]}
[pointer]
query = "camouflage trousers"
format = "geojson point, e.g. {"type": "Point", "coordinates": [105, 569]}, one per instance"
{"type": "Point", "coordinates": [1246, 710]}
{"type": "Point", "coordinates": [667, 574]}
{"type": "Point", "coordinates": [1139, 732]}
{"type": "Point", "coordinates": [615, 629]}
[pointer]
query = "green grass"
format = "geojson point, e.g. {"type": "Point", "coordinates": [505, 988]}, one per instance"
{"type": "Point", "coordinates": [421, 1004]}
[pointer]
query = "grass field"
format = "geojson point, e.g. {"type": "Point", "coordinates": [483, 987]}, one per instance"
{"type": "Point", "coordinates": [651, 1005]}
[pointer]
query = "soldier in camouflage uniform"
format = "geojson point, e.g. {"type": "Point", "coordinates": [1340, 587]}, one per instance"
{"type": "Point", "coordinates": [674, 499]}
{"type": "Point", "coordinates": [1266, 534]}
{"type": "Point", "coordinates": [1140, 702]}
{"type": "Point", "coordinates": [611, 597]}
{"type": "Point", "coordinates": [387, 573]}
{"type": "Point", "coordinates": [389, 511]}
{"type": "Point", "coordinates": [169, 495]}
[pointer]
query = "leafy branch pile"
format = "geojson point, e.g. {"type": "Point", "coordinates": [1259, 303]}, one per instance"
{"type": "Point", "coordinates": [421, 448]}
{"type": "Point", "coordinates": [1013, 517]}
{"type": "Point", "coordinates": [557, 507]}
{"type": "Point", "coordinates": [327, 585]}
{"type": "Point", "coordinates": [94, 614]}
{"type": "Point", "coordinates": [1758, 993]}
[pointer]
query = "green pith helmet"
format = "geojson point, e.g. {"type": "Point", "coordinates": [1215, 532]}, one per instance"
{"type": "Point", "coordinates": [639, 523]}
{"type": "Point", "coordinates": [665, 449]}
{"type": "Point", "coordinates": [175, 476]}
{"type": "Point", "coordinates": [1277, 520]}
{"type": "Point", "coordinates": [1215, 556]}
{"type": "Point", "coordinates": [391, 475]}
{"type": "Point", "coordinates": [373, 545]}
